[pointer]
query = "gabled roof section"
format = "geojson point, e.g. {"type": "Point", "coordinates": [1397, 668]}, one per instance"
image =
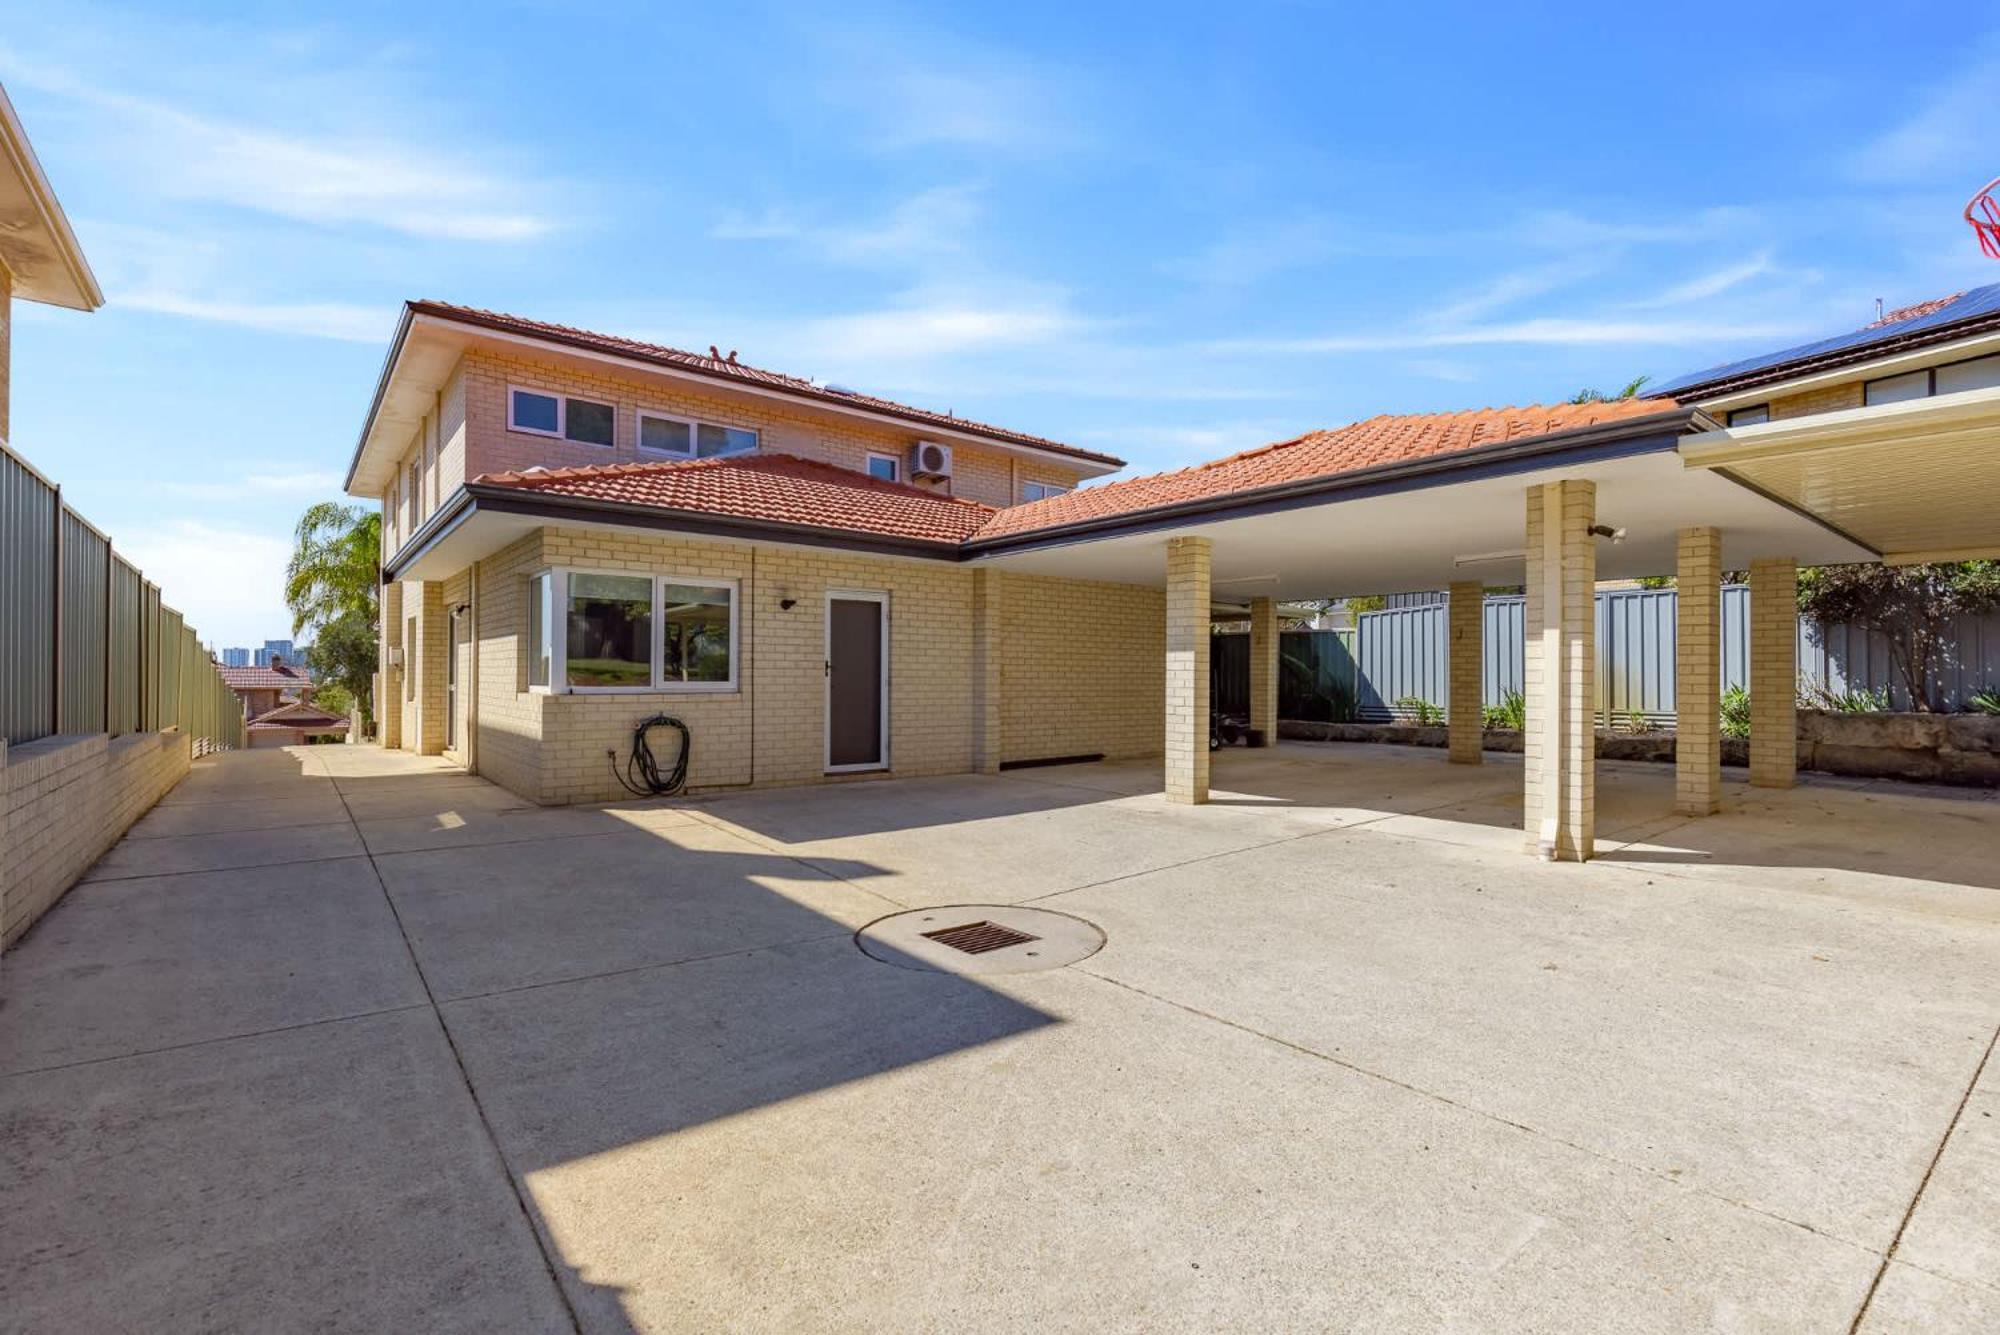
{"type": "Point", "coordinates": [298, 714]}
{"type": "Point", "coordinates": [1939, 320]}
{"type": "Point", "coordinates": [1318, 455]}
{"type": "Point", "coordinates": [36, 242]}
{"type": "Point", "coordinates": [775, 489]}
{"type": "Point", "coordinates": [285, 678]}
{"type": "Point", "coordinates": [727, 368]}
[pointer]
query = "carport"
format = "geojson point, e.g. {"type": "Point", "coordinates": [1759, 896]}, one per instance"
{"type": "Point", "coordinates": [1554, 499]}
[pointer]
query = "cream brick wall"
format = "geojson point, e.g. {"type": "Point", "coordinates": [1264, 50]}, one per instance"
{"type": "Point", "coordinates": [455, 591]}
{"type": "Point", "coordinates": [1466, 686]}
{"type": "Point", "coordinates": [1055, 692]}
{"type": "Point", "coordinates": [1774, 672]}
{"type": "Point", "coordinates": [1264, 668]}
{"type": "Point", "coordinates": [1831, 398]}
{"type": "Point", "coordinates": [64, 801]}
{"type": "Point", "coordinates": [1186, 698]}
{"type": "Point", "coordinates": [1561, 639]}
{"type": "Point", "coordinates": [1698, 672]}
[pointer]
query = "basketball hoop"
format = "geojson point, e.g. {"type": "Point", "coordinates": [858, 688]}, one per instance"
{"type": "Point", "coordinates": [1984, 215]}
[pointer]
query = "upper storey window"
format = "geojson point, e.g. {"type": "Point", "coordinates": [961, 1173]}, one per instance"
{"type": "Point", "coordinates": [540, 414]}
{"type": "Point", "coordinates": [1754, 416]}
{"type": "Point", "coordinates": [685, 439]}
{"type": "Point", "coordinates": [1040, 491]}
{"type": "Point", "coordinates": [1952, 378]}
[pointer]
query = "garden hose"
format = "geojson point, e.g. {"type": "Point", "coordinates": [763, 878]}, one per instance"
{"type": "Point", "coordinates": [641, 775]}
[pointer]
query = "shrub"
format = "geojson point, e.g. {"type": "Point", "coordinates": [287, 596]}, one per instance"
{"type": "Point", "coordinates": [1422, 712]}
{"type": "Point", "coordinates": [1511, 712]}
{"type": "Point", "coordinates": [1736, 712]}
{"type": "Point", "coordinates": [1815, 695]}
{"type": "Point", "coordinates": [1984, 702]}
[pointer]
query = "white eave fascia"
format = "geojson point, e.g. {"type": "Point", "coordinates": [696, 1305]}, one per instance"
{"type": "Point", "coordinates": [1911, 419]}
{"type": "Point", "coordinates": [80, 291]}
{"type": "Point", "coordinates": [928, 430]}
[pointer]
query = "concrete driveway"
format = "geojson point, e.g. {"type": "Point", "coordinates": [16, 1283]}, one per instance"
{"type": "Point", "coordinates": [342, 1040]}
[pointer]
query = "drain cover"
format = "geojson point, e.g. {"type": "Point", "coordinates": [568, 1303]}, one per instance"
{"type": "Point", "coordinates": [980, 938]}
{"type": "Point", "coordinates": [976, 938]}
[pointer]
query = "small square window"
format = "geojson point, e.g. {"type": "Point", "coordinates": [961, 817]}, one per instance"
{"type": "Point", "coordinates": [586, 422]}
{"type": "Point", "coordinates": [1040, 491]}
{"type": "Point", "coordinates": [665, 435]}
{"type": "Point", "coordinates": [711, 440]}
{"type": "Point", "coordinates": [529, 411]}
{"type": "Point", "coordinates": [1750, 416]}
{"type": "Point", "coordinates": [885, 466]}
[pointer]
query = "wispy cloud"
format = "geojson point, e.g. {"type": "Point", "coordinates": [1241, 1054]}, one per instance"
{"type": "Point", "coordinates": [358, 178]}
{"type": "Point", "coordinates": [1950, 132]}
{"type": "Point", "coordinates": [1509, 289]}
{"type": "Point", "coordinates": [298, 483]}
{"type": "Point", "coordinates": [1714, 283]}
{"type": "Point", "coordinates": [182, 556]}
{"type": "Point", "coordinates": [928, 224]}
{"type": "Point", "coordinates": [348, 322]}
{"type": "Point", "coordinates": [1564, 229]}
{"type": "Point", "coordinates": [1250, 254]}
{"type": "Point", "coordinates": [1546, 331]}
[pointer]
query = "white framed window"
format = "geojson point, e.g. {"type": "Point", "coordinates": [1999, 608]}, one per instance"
{"type": "Point", "coordinates": [610, 631]}
{"type": "Point", "coordinates": [540, 413]}
{"type": "Point", "coordinates": [885, 466]}
{"type": "Point", "coordinates": [1754, 416]}
{"type": "Point", "coordinates": [1897, 388]}
{"type": "Point", "coordinates": [1979, 373]}
{"type": "Point", "coordinates": [1040, 491]}
{"type": "Point", "coordinates": [686, 438]}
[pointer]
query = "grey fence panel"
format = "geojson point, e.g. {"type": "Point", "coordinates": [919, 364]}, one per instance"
{"type": "Point", "coordinates": [1314, 666]}
{"type": "Point", "coordinates": [1503, 624]}
{"type": "Point", "coordinates": [85, 581]}
{"type": "Point", "coordinates": [1635, 653]}
{"type": "Point", "coordinates": [1401, 652]}
{"type": "Point", "coordinates": [28, 509]}
{"type": "Point", "coordinates": [125, 675]}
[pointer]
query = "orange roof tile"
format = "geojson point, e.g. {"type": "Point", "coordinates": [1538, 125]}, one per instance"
{"type": "Point", "coordinates": [1317, 454]}
{"type": "Point", "coordinates": [728, 368]}
{"type": "Point", "coordinates": [769, 488]}
{"type": "Point", "coordinates": [284, 678]}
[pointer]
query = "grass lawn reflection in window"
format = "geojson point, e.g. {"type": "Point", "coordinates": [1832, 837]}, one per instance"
{"type": "Point", "coordinates": [610, 630]}
{"type": "Point", "coordinates": [696, 642]}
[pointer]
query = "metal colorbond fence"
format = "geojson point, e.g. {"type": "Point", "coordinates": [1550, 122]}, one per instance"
{"type": "Point", "coordinates": [85, 643]}
{"type": "Point", "coordinates": [1402, 652]}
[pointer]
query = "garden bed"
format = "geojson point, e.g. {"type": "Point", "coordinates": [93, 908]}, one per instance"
{"type": "Point", "coordinates": [1931, 748]}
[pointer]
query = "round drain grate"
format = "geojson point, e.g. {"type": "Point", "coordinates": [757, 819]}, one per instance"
{"type": "Point", "coordinates": [980, 938]}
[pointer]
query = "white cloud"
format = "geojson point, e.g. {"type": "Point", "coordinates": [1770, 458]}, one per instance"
{"type": "Point", "coordinates": [349, 178]}
{"type": "Point", "coordinates": [228, 582]}
{"type": "Point", "coordinates": [939, 327]}
{"type": "Point", "coordinates": [1711, 284]}
{"type": "Point", "coordinates": [300, 483]}
{"type": "Point", "coordinates": [1950, 133]}
{"type": "Point", "coordinates": [1546, 331]}
{"type": "Point", "coordinates": [1565, 230]}
{"type": "Point", "coordinates": [929, 223]}
{"type": "Point", "coordinates": [1509, 288]}
{"type": "Point", "coordinates": [347, 321]}
{"type": "Point", "coordinates": [1258, 251]}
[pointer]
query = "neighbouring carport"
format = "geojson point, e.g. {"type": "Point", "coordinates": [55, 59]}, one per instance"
{"type": "Point", "coordinates": [1649, 489]}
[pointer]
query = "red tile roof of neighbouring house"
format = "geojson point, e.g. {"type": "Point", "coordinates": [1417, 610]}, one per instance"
{"type": "Point", "coordinates": [728, 368]}
{"type": "Point", "coordinates": [284, 678]}
{"type": "Point", "coordinates": [1318, 454]}
{"type": "Point", "coordinates": [766, 488]}
{"type": "Point", "coordinates": [782, 490]}
{"type": "Point", "coordinates": [299, 714]}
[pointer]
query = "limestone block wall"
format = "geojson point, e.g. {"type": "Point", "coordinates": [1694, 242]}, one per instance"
{"type": "Point", "coordinates": [64, 801]}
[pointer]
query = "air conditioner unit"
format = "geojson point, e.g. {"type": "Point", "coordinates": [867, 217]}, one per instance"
{"type": "Point", "coordinates": [930, 459]}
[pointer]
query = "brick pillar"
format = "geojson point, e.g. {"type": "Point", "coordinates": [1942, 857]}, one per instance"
{"type": "Point", "coordinates": [1467, 683]}
{"type": "Point", "coordinates": [432, 645]}
{"type": "Point", "coordinates": [1188, 609]}
{"type": "Point", "coordinates": [986, 619]}
{"type": "Point", "coordinates": [1264, 668]}
{"type": "Point", "coordinates": [1560, 789]}
{"type": "Point", "coordinates": [389, 701]}
{"type": "Point", "coordinates": [1698, 672]}
{"type": "Point", "coordinates": [1774, 672]}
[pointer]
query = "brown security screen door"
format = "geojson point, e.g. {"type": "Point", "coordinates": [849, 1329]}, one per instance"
{"type": "Point", "coordinates": [855, 668]}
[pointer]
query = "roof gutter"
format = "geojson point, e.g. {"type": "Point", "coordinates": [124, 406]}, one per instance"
{"type": "Point", "coordinates": [1605, 440]}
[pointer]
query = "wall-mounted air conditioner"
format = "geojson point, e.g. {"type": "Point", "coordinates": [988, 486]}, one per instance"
{"type": "Point", "coordinates": [930, 459]}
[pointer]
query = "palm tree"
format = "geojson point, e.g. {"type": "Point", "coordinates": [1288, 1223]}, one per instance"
{"type": "Point", "coordinates": [331, 583]}
{"type": "Point", "coordinates": [1631, 391]}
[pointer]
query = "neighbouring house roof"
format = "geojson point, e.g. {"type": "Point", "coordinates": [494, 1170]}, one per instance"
{"type": "Point", "coordinates": [36, 243]}
{"type": "Point", "coordinates": [780, 492]}
{"type": "Point", "coordinates": [727, 368]}
{"type": "Point", "coordinates": [1318, 455]}
{"type": "Point", "coordinates": [286, 678]}
{"type": "Point", "coordinates": [778, 489]}
{"type": "Point", "coordinates": [1939, 320]}
{"type": "Point", "coordinates": [300, 714]}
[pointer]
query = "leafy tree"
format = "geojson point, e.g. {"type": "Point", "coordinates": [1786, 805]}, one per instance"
{"type": "Point", "coordinates": [1631, 391]}
{"type": "Point", "coordinates": [1912, 607]}
{"type": "Point", "coordinates": [331, 585]}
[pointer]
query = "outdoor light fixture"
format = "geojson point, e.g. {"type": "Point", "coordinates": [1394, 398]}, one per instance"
{"type": "Point", "coordinates": [1606, 531]}
{"type": "Point", "coordinates": [788, 603]}
{"type": "Point", "coordinates": [1489, 558]}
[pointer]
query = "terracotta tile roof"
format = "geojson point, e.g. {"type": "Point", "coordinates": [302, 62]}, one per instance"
{"type": "Point", "coordinates": [1317, 454]}
{"type": "Point", "coordinates": [728, 368]}
{"type": "Point", "coordinates": [1922, 308]}
{"type": "Point", "coordinates": [769, 488]}
{"type": "Point", "coordinates": [286, 678]}
{"type": "Point", "coordinates": [298, 714]}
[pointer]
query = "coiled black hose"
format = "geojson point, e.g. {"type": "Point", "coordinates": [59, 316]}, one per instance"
{"type": "Point", "coordinates": [641, 775]}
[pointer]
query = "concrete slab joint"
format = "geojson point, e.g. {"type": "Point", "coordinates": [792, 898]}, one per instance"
{"type": "Point", "coordinates": [1698, 673]}
{"type": "Point", "coordinates": [1466, 685]}
{"type": "Point", "coordinates": [1187, 759]}
{"type": "Point", "coordinates": [1560, 782]}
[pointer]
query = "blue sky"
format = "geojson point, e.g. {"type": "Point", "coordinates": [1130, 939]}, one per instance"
{"type": "Point", "coordinates": [1163, 231]}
